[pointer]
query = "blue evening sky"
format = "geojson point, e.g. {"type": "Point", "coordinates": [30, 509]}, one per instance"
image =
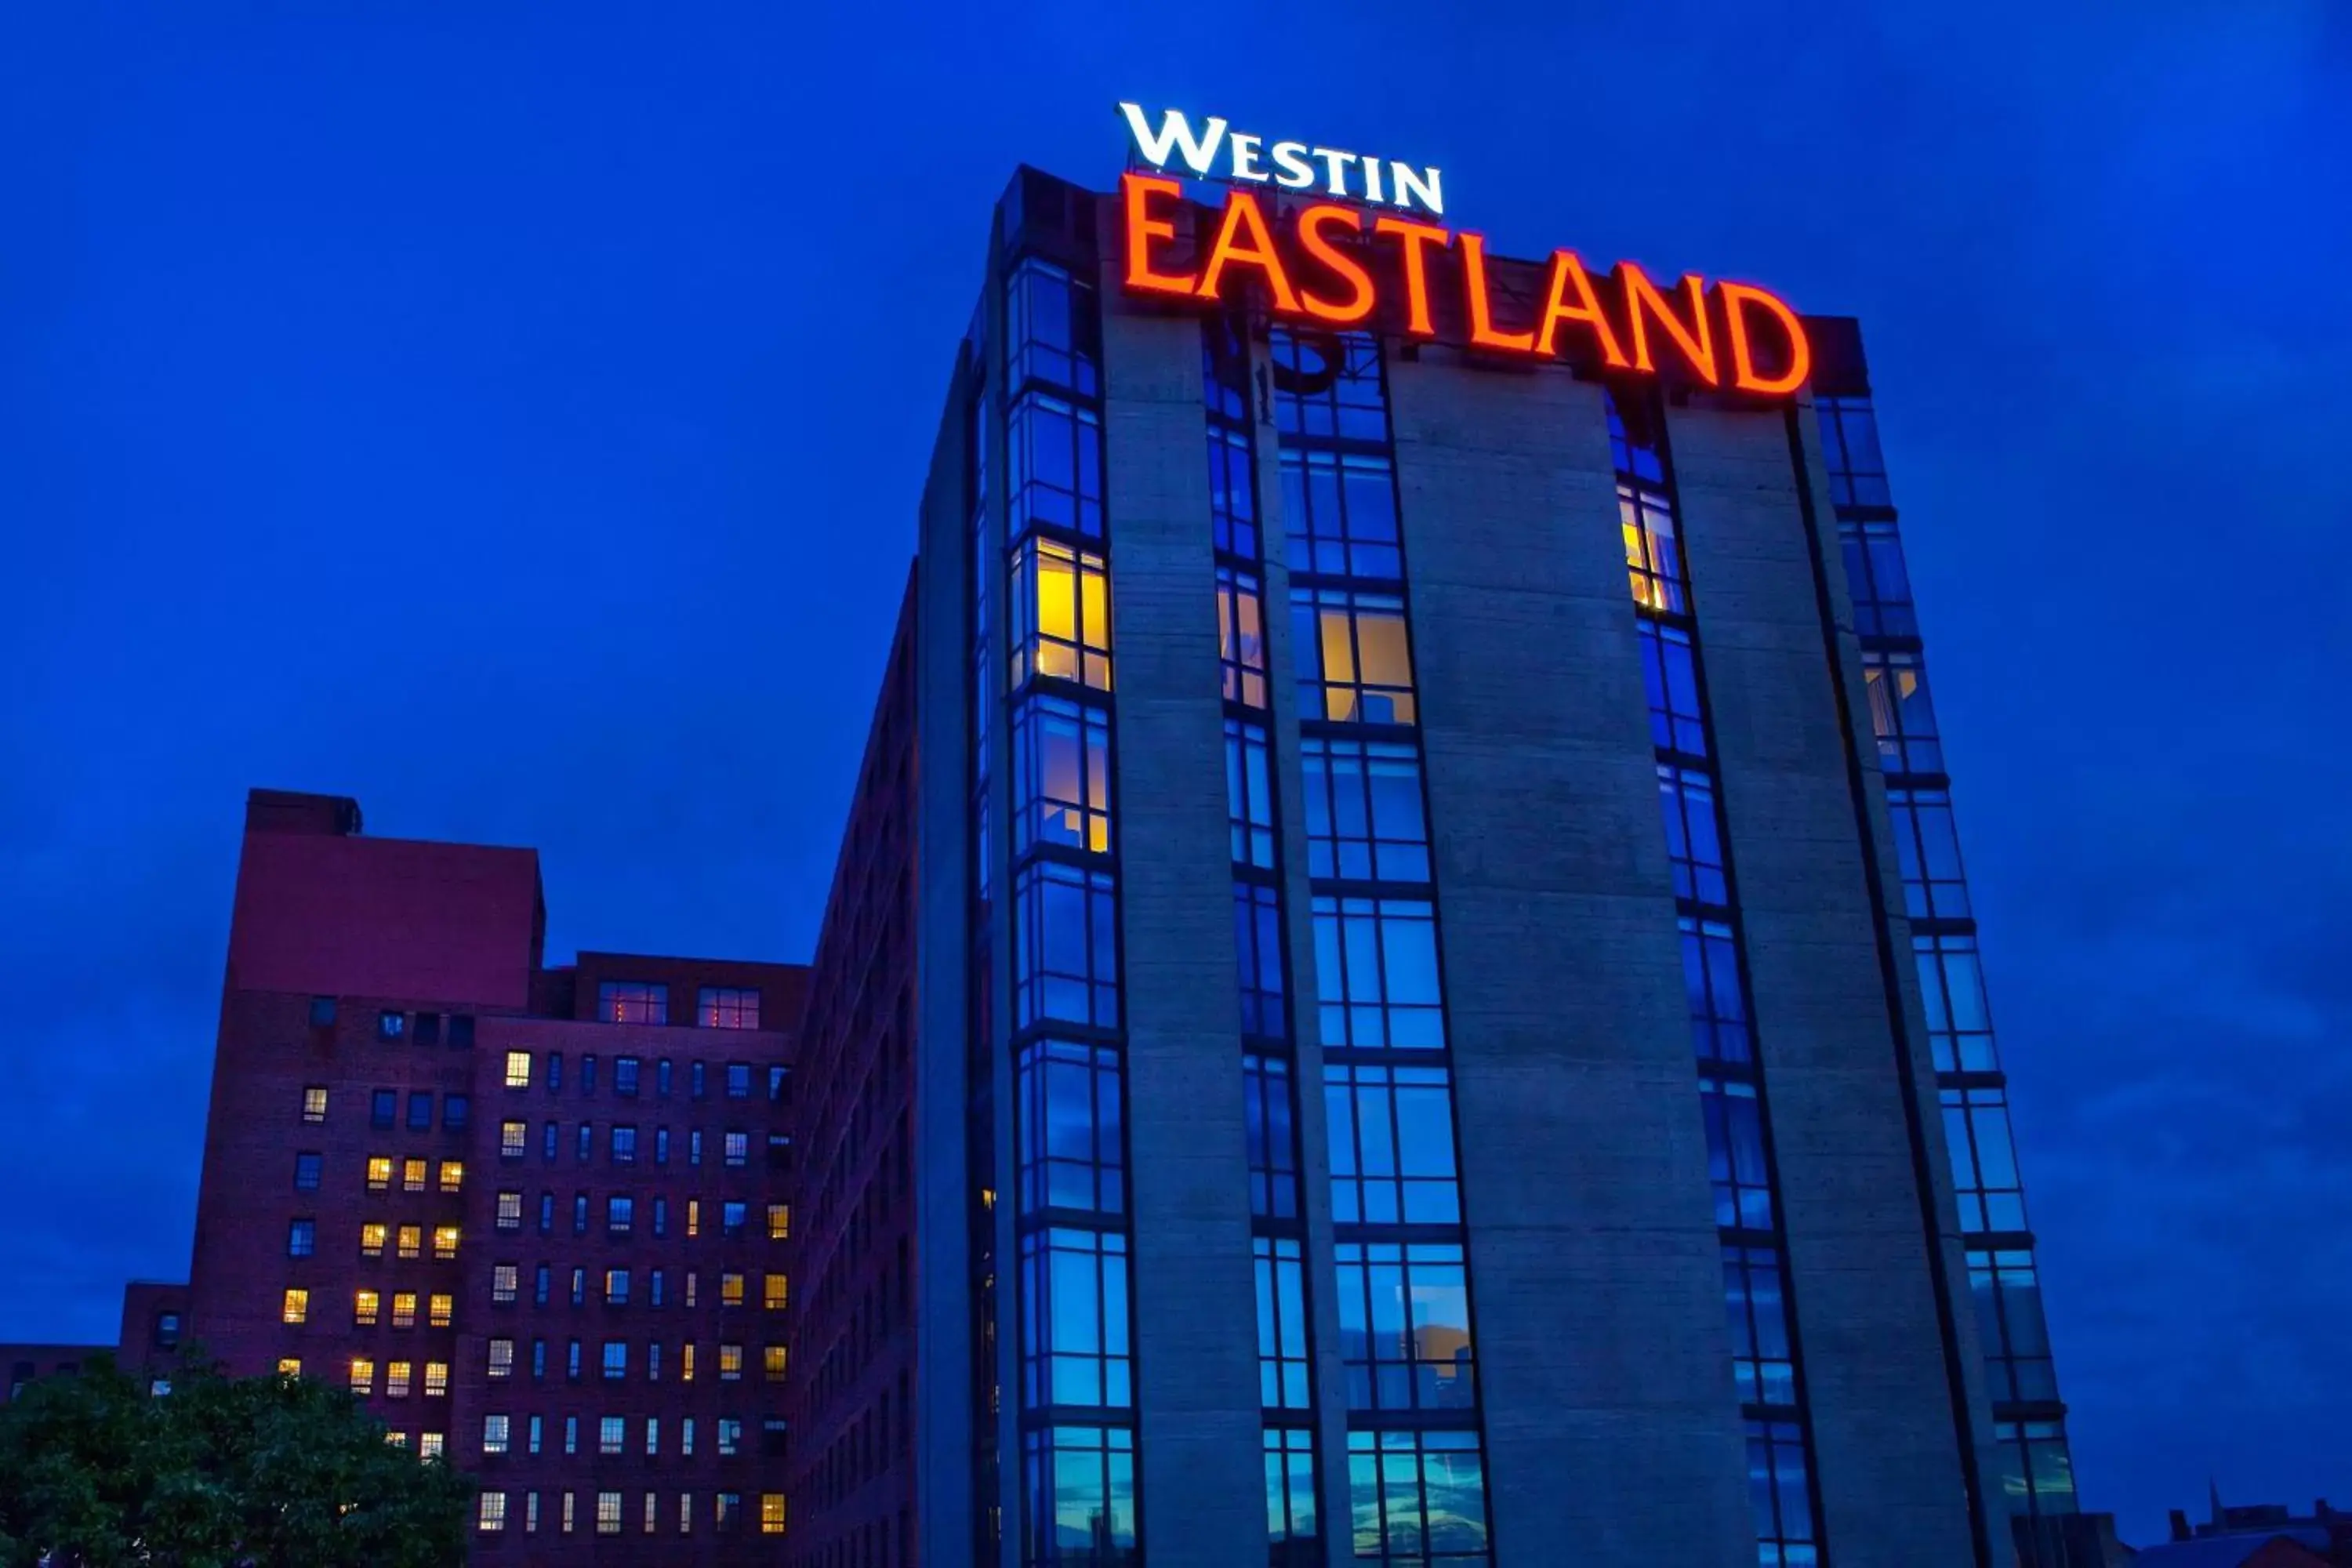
{"type": "Point", "coordinates": [513, 416]}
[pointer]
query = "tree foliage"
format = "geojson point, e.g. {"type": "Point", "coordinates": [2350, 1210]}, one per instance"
{"type": "Point", "coordinates": [221, 1472]}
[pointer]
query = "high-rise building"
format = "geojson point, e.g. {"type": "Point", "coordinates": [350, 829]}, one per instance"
{"type": "Point", "coordinates": [535, 1216]}
{"type": "Point", "coordinates": [1399, 989]}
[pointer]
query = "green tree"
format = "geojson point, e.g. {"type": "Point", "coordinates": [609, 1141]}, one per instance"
{"type": "Point", "coordinates": [221, 1472]}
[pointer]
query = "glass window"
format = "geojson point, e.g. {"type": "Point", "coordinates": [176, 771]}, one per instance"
{"type": "Point", "coordinates": [554, 1069]}
{"type": "Point", "coordinates": [1693, 847]}
{"type": "Point", "coordinates": [1734, 1154]}
{"type": "Point", "coordinates": [731, 1357]}
{"type": "Point", "coordinates": [420, 1111]}
{"type": "Point", "coordinates": [588, 1072]}
{"type": "Point", "coordinates": [1984, 1162]}
{"type": "Point", "coordinates": [1364, 818]}
{"type": "Point", "coordinates": [1417, 1498]}
{"type": "Point", "coordinates": [1850, 450]}
{"type": "Point", "coordinates": [441, 1308]}
{"type": "Point", "coordinates": [1328, 387]}
{"type": "Point", "coordinates": [727, 1006]}
{"type": "Point", "coordinates": [1291, 1506]}
{"type": "Point", "coordinates": [1257, 935]}
{"type": "Point", "coordinates": [389, 1025]}
{"type": "Point", "coordinates": [379, 1173]}
{"type": "Point", "coordinates": [1061, 777]}
{"type": "Point", "coordinates": [502, 1282]}
{"type": "Point", "coordinates": [501, 1362]}
{"type": "Point", "coordinates": [453, 1175]}
{"type": "Point", "coordinates": [733, 1214]}
{"type": "Point", "coordinates": [1051, 329]}
{"type": "Point", "coordinates": [1900, 714]}
{"type": "Point", "coordinates": [1055, 448]}
{"type": "Point", "coordinates": [383, 1108]}
{"type": "Point", "coordinates": [363, 1376]}
{"type": "Point", "coordinates": [616, 1287]}
{"type": "Point", "coordinates": [780, 1222]}
{"type": "Point", "coordinates": [1339, 510]}
{"type": "Point", "coordinates": [306, 1167]}
{"type": "Point", "coordinates": [1273, 1144]}
{"type": "Point", "coordinates": [1233, 492]}
{"type": "Point", "coordinates": [1652, 553]}
{"type": "Point", "coordinates": [411, 1241]}
{"type": "Point", "coordinates": [1061, 615]}
{"type": "Point", "coordinates": [403, 1310]}
{"type": "Point", "coordinates": [494, 1441]}
{"type": "Point", "coordinates": [513, 1138]}
{"type": "Point", "coordinates": [771, 1513]}
{"type": "Point", "coordinates": [587, 1141]}
{"type": "Point", "coordinates": [1073, 1324]}
{"type": "Point", "coordinates": [1376, 971]}
{"type": "Point", "coordinates": [738, 1080]}
{"type": "Point", "coordinates": [412, 1176]}
{"type": "Point", "coordinates": [1780, 1497]}
{"type": "Point", "coordinates": [1718, 1009]}
{"type": "Point", "coordinates": [1928, 847]}
{"type": "Point", "coordinates": [774, 1290]}
{"type": "Point", "coordinates": [1633, 451]}
{"type": "Point", "coordinates": [1249, 794]}
{"type": "Point", "coordinates": [396, 1376]}
{"type": "Point", "coordinates": [731, 1288]}
{"type": "Point", "coordinates": [631, 1002]}
{"type": "Point", "coordinates": [738, 1149]}
{"type": "Point", "coordinates": [1951, 985]}
{"type": "Point", "coordinates": [1065, 946]}
{"type": "Point", "coordinates": [1355, 662]}
{"type": "Point", "coordinates": [1757, 1312]}
{"type": "Point", "coordinates": [1405, 1320]}
{"type": "Point", "coordinates": [1670, 676]}
{"type": "Point", "coordinates": [1876, 580]}
{"type": "Point", "coordinates": [444, 1242]}
{"type": "Point", "coordinates": [1241, 636]}
{"type": "Point", "coordinates": [627, 1072]}
{"type": "Point", "coordinates": [1285, 1380]}
{"type": "Point", "coordinates": [616, 1360]}
{"type": "Point", "coordinates": [517, 1070]}
{"type": "Point", "coordinates": [547, 1141]}
{"type": "Point", "coordinates": [624, 1146]}
{"type": "Point", "coordinates": [773, 1362]}
{"type": "Point", "coordinates": [1078, 1485]}
{"type": "Point", "coordinates": [301, 1237]}
{"type": "Point", "coordinates": [297, 1307]}
{"type": "Point", "coordinates": [608, 1511]}
{"type": "Point", "coordinates": [1392, 1131]}
{"type": "Point", "coordinates": [2011, 1325]}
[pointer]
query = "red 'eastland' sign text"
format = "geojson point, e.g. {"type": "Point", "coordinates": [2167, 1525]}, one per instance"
{"type": "Point", "coordinates": [1733, 336]}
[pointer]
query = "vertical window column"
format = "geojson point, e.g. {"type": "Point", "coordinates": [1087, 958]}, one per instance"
{"type": "Point", "coordinates": [1731, 1076]}
{"type": "Point", "coordinates": [1416, 1462]}
{"type": "Point", "coordinates": [1076, 1392]}
{"type": "Point", "coordinates": [2028, 1416]}
{"type": "Point", "coordinates": [985, 681]}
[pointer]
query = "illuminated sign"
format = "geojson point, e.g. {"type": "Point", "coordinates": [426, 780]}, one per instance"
{"type": "Point", "coordinates": [1285, 165]}
{"type": "Point", "coordinates": [1337, 266]}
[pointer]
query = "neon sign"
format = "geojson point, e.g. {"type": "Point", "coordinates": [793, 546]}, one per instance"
{"type": "Point", "coordinates": [1337, 266]}
{"type": "Point", "coordinates": [1289, 166]}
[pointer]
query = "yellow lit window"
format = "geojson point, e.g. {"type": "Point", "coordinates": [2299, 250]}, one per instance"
{"type": "Point", "coordinates": [492, 1511]}
{"type": "Point", "coordinates": [730, 1289]}
{"type": "Point", "coordinates": [430, 1449]}
{"type": "Point", "coordinates": [314, 1104]}
{"type": "Point", "coordinates": [780, 1222]}
{"type": "Point", "coordinates": [290, 1366]}
{"type": "Point", "coordinates": [517, 1070]}
{"type": "Point", "coordinates": [412, 1176]}
{"type": "Point", "coordinates": [514, 1137]}
{"type": "Point", "coordinates": [436, 1379]}
{"type": "Point", "coordinates": [453, 1175]}
{"type": "Point", "coordinates": [444, 1242]}
{"type": "Point", "coordinates": [372, 1240]}
{"type": "Point", "coordinates": [694, 1217]}
{"type": "Point", "coordinates": [1367, 665]}
{"type": "Point", "coordinates": [1061, 615]}
{"type": "Point", "coordinates": [773, 1357]}
{"type": "Point", "coordinates": [379, 1173]}
{"type": "Point", "coordinates": [771, 1293]}
{"type": "Point", "coordinates": [395, 1380]}
{"type": "Point", "coordinates": [363, 1376]}
{"type": "Point", "coordinates": [686, 1363]}
{"type": "Point", "coordinates": [608, 1513]}
{"type": "Point", "coordinates": [771, 1513]}
{"type": "Point", "coordinates": [363, 1309]}
{"type": "Point", "coordinates": [298, 1307]}
{"type": "Point", "coordinates": [1650, 558]}
{"type": "Point", "coordinates": [403, 1310]}
{"type": "Point", "coordinates": [731, 1364]}
{"type": "Point", "coordinates": [411, 1240]}
{"type": "Point", "coordinates": [442, 1306]}
{"type": "Point", "coordinates": [397, 1439]}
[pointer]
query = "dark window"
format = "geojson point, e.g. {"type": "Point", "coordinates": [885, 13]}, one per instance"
{"type": "Point", "coordinates": [461, 1031]}
{"type": "Point", "coordinates": [541, 1284]}
{"type": "Point", "coordinates": [1328, 388]}
{"type": "Point", "coordinates": [1249, 794]}
{"type": "Point", "coordinates": [1065, 946]}
{"type": "Point", "coordinates": [428, 1028]}
{"type": "Point", "coordinates": [1734, 1154]}
{"type": "Point", "coordinates": [1877, 581]}
{"type": "Point", "coordinates": [1071, 1152]}
{"type": "Point", "coordinates": [780, 1086]}
{"type": "Point", "coordinates": [695, 1080]}
{"type": "Point", "coordinates": [1257, 933]}
{"type": "Point", "coordinates": [302, 1238]}
{"type": "Point", "coordinates": [546, 1213]}
{"type": "Point", "coordinates": [547, 1144]}
{"type": "Point", "coordinates": [384, 1109]}
{"type": "Point", "coordinates": [588, 1074]}
{"type": "Point", "coordinates": [738, 1080]}
{"type": "Point", "coordinates": [1376, 968]}
{"type": "Point", "coordinates": [1233, 492]}
{"type": "Point", "coordinates": [661, 1227]}
{"type": "Point", "coordinates": [389, 1026]}
{"type": "Point", "coordinates": [731, 1217]}
{"type": "Point", "coordinates": [1718, 1012]}
{"type": "Point", "coordinates": [420, 1110]}
{"type": "Point", "coordinates": [1342, 513]}
{"type": "Point", "coordinates": [631, 1002]}
{"type": "Point", "coordinates": [307, 1166]}
{"type": "Point", "coordinates": [167, 1331]}
{"type": "Point", "coordinates": [1364, 818]}
{"type": "Point", "coordinates": [1273, 1147]}
{"type": "Point", "coordinates": [624, 1076]}
{"type": "Point", "coordinates": [1051, 329]}
{"type": "Point", "coordinates": [322, 1012]}
{"type": "Point", "coordinates": [1850, 451]}
{"type": "Point", "coordinates": [1055, 448]}
{"type": "Point", "coordinates": [1670, 673]}
{"type": "Point", "coordinates": [1694, 847]}
{"type": "Point", "coordinates": [454, 1109]}
{"type": "Point", "coordinates": [1934, 885]}
{"type": "Point", "coordinates": [661, 1145]}
{"type": "Point", "coordinates": [1392, 1131]}
{"type": "Point", "coordinates": [773, 1433]}
{"type": "Point", "coordinates": [587, 1140]}
{"type": "Point", "coordinates": [620, 1215]}
{"type": "Point", "coordinates": [1241, 636]}
{"type": "Point", "coordinates": [624, 1146]}
{"type": "Point", "coordinates": [580, 1213]}
{"type": "Point", "coordinates": [661, 1078]}
{"type": "Point", "coordinates": [539, 1350]}
{"type": "Point", "coordinates": [554, 1070]}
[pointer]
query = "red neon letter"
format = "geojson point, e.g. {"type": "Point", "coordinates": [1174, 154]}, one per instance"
{"type": "Point", "coordinates": [1566, 271]}
{"type": "Point", "coordinates": [1482, 321]}
{"type": "Point", "coordinates": [1311, 225]}
{"type": "Point", "coordinates": [1642, 299]}
{"type": "Point", "coordinates": [1143, 228]}
{"type": "Point", "coordinates": [1416, 272]}
{"type": "Point", "coordinates": [1736, 297]}
{"type": "Point", "coordinates": [1242, 213]}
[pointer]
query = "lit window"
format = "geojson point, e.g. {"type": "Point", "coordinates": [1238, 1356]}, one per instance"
{"type": "Point", "coordinates": [631, 1002]}
{"type": "Point", "coordinates": [363, 1376]}
{"type": "Point", "coordinates": [290, 1366]}
{"type": "Point", "coordinates": [501, 1364]}
{"type": "Point", "coordinates": [616, 1287]}
{"type": "Point", "coordinates": [444, 1242]}
{"type": "Point", "coordinates": [771, 1513]}
{"type": "Point", "coordinates": [731, 1435]}
{"type": "Point", "coordinates": [730, 1289]}
{"type": "Point", "coordinates": [567, 1513]}
{"type": "Point", "coordinates": [297, 1309]}
{"type": "Point", "coordinates": [772, 1359]}
{"type": "Point", "coordinates": [1900, 714]}
{"type": "Point", "coordinates": [494, 1441]}
{"type": "Point", "coordinates": [388, 1025]}
{"type": "Point", "coordinates": [771, 1293]}
{"type": "Point", "coordinates": [403, 1310]}
{"type": "Point", "coordinates": [395, 1380]}
{"type": "Point", "coordinates": [412, 1241]}
{"type": "Point", "coordinates": [509, 1211]}
{"type": "Point", "coordinates": [780, 1222]}
{"type": "Point", "coordinates": [301, 1237]}
{"type": "Point", "coordinates": [693, 1218]}
{"type": "Point", "coordinates": [441, 1309]}
{"type": "Point", "coordinates": [738, 1149]}
{"type": "Point", "coordinates": [1061, 615]}
{"type": "Point", "coordinates": [1654, 559]}
{"type": "Point", "coordinates": [379, 1178]}
{"type": "Point", "coordinates": [429, 1446]}
{"type": "Point", "coordinates": [612, 1434]}
{"type": "Point", "coordinates": [650, 1513]}
{"type": "Point", "coordinates": [616, 1361]}
{"type": "Point", "coordinates": [436, 1379]}
{"type": "Point", "coordinates": [314, 1104]}
{"type": "Point", "coordinates": [1061, 777]}
{"type": "Point", "coordinates": [491, 1512]}
{"type": "Point", "coordinates": [685, 1513]}
{"type": "Point", "coordinates": [686, 1367]}
{"type": "Point", "coordinates": [608, 1513]}
{"type": "Point", "coordinates": [517, 1070]}
{"type": "Point", "coordinates": [502, 1283]}
{"type": "Point", "coordinates": [731, 1364]}
{"type": "Point", "coordinates": [727, 1007]}
{"type": "Point", "coordinates": [453, 1175]}
{"type": "Point", "coordinates": [730, 1510]}
{"type": "Point", "coordinates": [412, 1176]}
{"type": "Point", "coordinates": [371, 1237]}
{"type": "Point", "coordinates": [1355, 660]}
{"type": "Point", "coordinates": [397, 1439]}
{"type": "Point", "coordinates": [1241, 636]}
{"type": "Point", "coordinates": [514, 1138]}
